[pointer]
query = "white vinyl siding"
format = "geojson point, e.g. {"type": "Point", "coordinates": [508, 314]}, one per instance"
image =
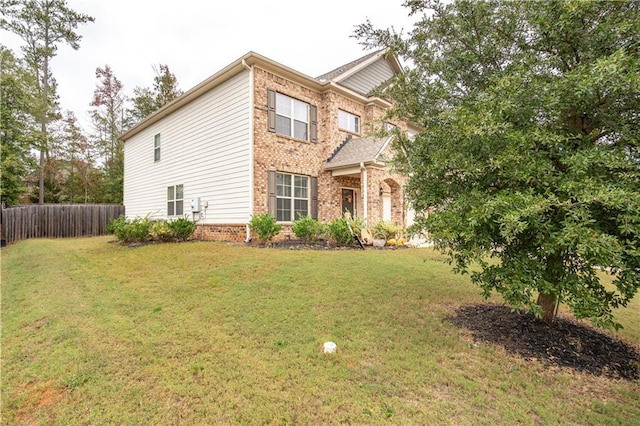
{"type": "Point", "coordinates": [367, 79]}
{"type": "Point", "coordinates": [206, 146]}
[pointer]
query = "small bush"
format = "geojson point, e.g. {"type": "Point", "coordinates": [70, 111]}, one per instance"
{"type": "Point", "coordinates": [116, 225]}
{"type": "Point", "coordinates": [386, 230]}
{"type": "Point", "coordinates": [265, 227]}
{"type": "Point", "coordinates": [343, 229]}
{"type": "Point", "coordinates": [140, 230]}
{"type": "Point", "coordinates": [130, 231]}
{"type": "Point", "coordinates": [181, 228]}
{"type": "Point", "coordinates": [160, 231]}
{"type": "Point", "coordinates": [339, 231]}
{"type": "Point", "coordinates": [307, 229]}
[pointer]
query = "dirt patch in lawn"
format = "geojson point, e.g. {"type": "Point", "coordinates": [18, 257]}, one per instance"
{"type": "Point", "coordinates": [39, 396]}
{"type": "Point", "coordinates": [566, 343]}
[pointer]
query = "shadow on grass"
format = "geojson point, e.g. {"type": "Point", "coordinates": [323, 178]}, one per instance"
{"type": "Point", "coordinates": [566, 343]}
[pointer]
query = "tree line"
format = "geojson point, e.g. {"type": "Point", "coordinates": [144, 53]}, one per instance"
{"type": "Point", "coordinates": [46, 156]}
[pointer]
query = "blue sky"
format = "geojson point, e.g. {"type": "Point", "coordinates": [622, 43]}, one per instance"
{"type": "Point", "coordinates": [196, 38]}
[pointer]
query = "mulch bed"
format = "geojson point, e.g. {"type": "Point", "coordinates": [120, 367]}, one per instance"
{"type": "Point", "coordinates": [296, 244]}
{"type": "Point", "coordinates": [566, 343]}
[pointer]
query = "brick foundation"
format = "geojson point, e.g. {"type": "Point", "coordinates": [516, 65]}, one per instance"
{"type": "Point", "coordinates": [215, 232]}
{"type": "Point", "coordinates": [233, 233]}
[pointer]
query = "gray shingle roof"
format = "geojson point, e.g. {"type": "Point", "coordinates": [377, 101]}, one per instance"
{"type": "Point", "coordinates": [356, 151]}
{"type": "Point", "coordinates": [346, 67]}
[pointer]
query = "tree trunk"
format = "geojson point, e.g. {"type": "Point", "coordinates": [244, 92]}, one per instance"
{"type": "Point", "coordinates": [41, 169]}
{"type": "Point", "coordinates": [44, 113]}
{"type": "Point", "coordinates": [547, 303]}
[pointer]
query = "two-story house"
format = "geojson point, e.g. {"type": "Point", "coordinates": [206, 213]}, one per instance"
{"type": "Point", "coordinates": [259, 137]}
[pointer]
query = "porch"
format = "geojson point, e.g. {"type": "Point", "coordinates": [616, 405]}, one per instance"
{"type": "Point", "coordinates": [362, 182]}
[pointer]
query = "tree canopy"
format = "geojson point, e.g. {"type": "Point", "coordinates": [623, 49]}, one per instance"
{"type": "Point", "coordinates": [148, 100]}
{"type": "Point", "coordinates": [16, 126]}
{"type": "Point", "coordinates": [42, 25]}
{"type": "Point", "coordinates": [528, 162]}
{"type": "Point", "coordinates": [108, 116]}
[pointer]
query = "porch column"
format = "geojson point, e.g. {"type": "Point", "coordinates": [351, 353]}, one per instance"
{"type": "Point", "coordinates": [364, 187]}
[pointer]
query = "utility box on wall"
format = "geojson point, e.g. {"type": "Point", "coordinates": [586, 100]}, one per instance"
{"type": "Point", "coordinates": [196, 205]}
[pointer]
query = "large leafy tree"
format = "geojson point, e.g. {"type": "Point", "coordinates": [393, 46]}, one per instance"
{"type": "Point", "coordinates": [530, 149]}
{"type": "Point", "coordinates": [43, 25]}
{"type": "Point", "coordinates": [148, 100]}
{"type": "Point", "coordinates": [16, 127]}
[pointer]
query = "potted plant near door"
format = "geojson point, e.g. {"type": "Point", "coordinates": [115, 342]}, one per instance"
{"type": "Point", "coordinates": [383, 232]}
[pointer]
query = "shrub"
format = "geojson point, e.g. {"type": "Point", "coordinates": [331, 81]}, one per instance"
{"type": "Point", "coordinates": [116, 225]}
{"type": "Point", "coordinates": [307, 229]}
{"type": "Point", "coordinates": [356, 223]}
{"type": "Point", "coordinates": [343, 229]}
{"type": "Point", "coordinates": [386, 230]}
{"type": "Point", "coordinates": [265, 226]}
{"type": "Point", "coordinates": [160, 231]}
{"type": "Point", "coordinates": [181, 228]}
{"type": "Point", "coordinates": [339, 231]}
{"type": "Point", "coordinates": [130, 231]}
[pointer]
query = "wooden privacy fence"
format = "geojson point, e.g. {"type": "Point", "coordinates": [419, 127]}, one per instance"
{"type": "Point", "coordinates": [57, 220]}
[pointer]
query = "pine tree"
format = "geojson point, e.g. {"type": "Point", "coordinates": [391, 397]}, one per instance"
{"type": "Point", "coordinates": [43, 25]}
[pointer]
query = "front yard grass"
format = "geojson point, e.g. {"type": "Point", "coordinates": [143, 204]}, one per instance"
{"type": "Point", "coordinates": [212, 333]}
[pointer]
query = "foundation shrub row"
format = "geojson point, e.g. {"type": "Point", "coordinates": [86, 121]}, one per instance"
{"type": "Point", "coordinates": [142, 230]}
{"type": "Point", "coordinates": [340, 230]}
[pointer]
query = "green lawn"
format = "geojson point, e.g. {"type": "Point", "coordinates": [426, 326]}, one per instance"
{"type": "Point", "coordinates": [211, 333]}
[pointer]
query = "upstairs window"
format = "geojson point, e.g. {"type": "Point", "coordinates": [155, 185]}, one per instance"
{"type": "Point", "coordinates": [348, 121]}
{"type": "Point", "coordinates": [292, 117]}
{"type": "Point", "coordinates": [175, 200]}
{"type": "Point", "coordinates": [156, 147]}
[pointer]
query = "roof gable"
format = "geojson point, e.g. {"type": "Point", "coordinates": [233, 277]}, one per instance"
{"type": "Point", "coordinates": [365, 74]}
{"type": "Point", "coordinates": [351, 152]}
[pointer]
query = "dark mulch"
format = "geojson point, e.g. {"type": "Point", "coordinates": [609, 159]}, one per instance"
{"type": "Point", "coordinates": [566, 343]}
{"type": "Point", "coordinates": [296, 244]}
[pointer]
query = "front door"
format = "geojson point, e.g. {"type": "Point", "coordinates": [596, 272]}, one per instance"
{"type": "Point", "coordinates": [347, 201]}
{"type": "Point", "coordinates": [386, 207]}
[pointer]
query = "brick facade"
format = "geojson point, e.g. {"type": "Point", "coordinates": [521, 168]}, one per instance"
{"type": "Point", "coordinates": [273, 151]}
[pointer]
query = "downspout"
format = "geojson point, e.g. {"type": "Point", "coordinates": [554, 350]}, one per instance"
{"type": "Point", "coordinates": [365, 195]}
{"type": "Point", "coordinates": [251, 183]}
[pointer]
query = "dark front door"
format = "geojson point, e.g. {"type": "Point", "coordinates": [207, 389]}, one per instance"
{"type": "Point", "coordinates": [347, 201]}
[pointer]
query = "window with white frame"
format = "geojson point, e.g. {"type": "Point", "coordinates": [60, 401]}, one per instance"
{"type": "Point", "coordinates": [292, 117]}
{"type": "Point", "coordinates": [348, 121]}
{"type": "Point", "coordinates": [175, 200]}
{"type": "Point", "coordinates": [156, 147]}
{"type": "Point", "coordinates": [292, 197]}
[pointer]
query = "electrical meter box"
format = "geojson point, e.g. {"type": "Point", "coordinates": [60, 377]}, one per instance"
{"type": "Point", "coordinates": [196, 205]}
